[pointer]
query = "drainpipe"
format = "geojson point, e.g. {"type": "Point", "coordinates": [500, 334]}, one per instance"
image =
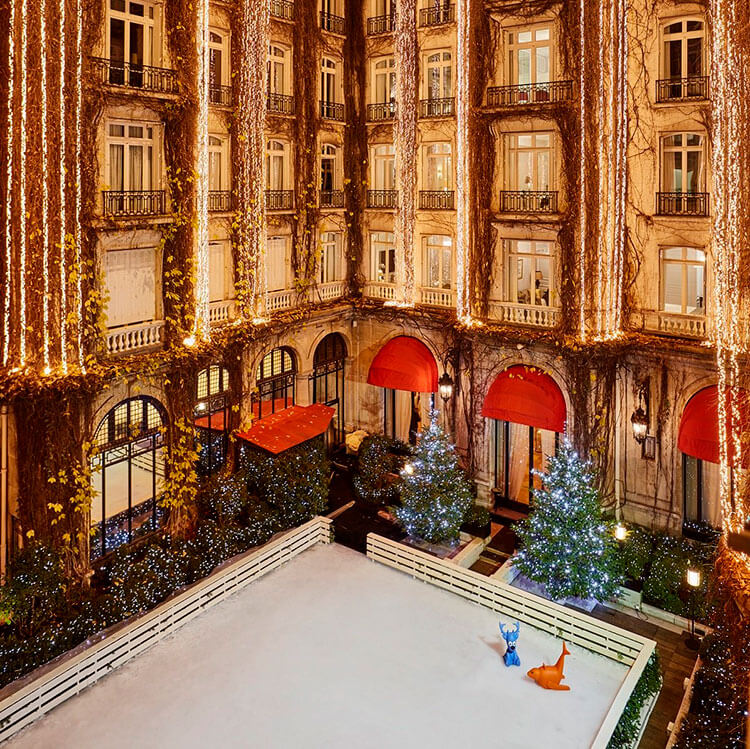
{"type": "Point", "coordinates": [3, 489]}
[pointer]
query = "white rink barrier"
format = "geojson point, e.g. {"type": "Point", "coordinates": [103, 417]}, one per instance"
{"type": "Point", "coordinates": [572, 626]}
{"type": "Point", "coordinates": [28, 698]}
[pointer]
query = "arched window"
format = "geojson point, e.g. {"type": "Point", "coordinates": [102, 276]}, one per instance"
{"type": "Point", "coordinates": [211, 417]}
{"type": "Point", "coordinates": [328, 382]}
{"type": "Point", "coordinates": [128, 464]}
{"type": "Point", "coordinates": [275, 380]}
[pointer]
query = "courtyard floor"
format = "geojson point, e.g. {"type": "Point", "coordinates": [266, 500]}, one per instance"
{"type": "Point", "coordinates": [335, 650]}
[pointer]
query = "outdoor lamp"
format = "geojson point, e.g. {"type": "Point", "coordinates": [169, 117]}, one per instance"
{"type": "Point", "coordinates": [445, 386]}
{"type": "Point", "coordinates": [621, 532]}
{"type": "Point", "coordinates": [693, 577]}
{"type": "Point", "coordinates": [639, 420]}
{"type": "Point", "coordinates": [408, 469]}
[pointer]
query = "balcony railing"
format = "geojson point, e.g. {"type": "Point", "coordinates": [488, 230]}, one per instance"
{"type": "Point", "coordinates": [524, 314]}
{"type": "Point", "coordinates": [133, 337]}
{"type": "Point", "coordinates": [280, 299]}
{"type": "Point", "coordinates": [528, 201]}
{"type": "Point", "coordinates": [221, 312]}
{"type": "Point", "coordinates": [437, 16]}
{"type": "Point", "coordinates": [332, 23]}
{"type": "Point", "coordinates": [279, 104]}
{"type": "Point", "coordinates": [381, 24]}
{"type": "Point", "coordinates": [682, 89]}
{"type": "Point", "coordinates": [379, 290]}
{"type": "Point", "coordinates": [279, 200]}
{"type": "Point", "coordinates": [382, 198]}
{"type": "Point", "coordinates": [134, 202]}
{"type": "Point", "coordinates": [436, 107]}
{"type": "Point", "coordinates": [283, 9]}
{"type": "Point", "coordinates": [438, 297]}
{"type": "Point", "coordinates": [330, 290]}
{"type": "Point", "coordinates": [685, 326]}
{"type": "Point", "coordinates": [682, 203]}
{"type": "Point", "coordinates": [131, 75]}
{"type": "Point", "coordinates": [331, 198]}
{"type": "Point", "coordinates": [331, 110]}
{"type": "Point", "coordinates": [529, 93]}
{"type": "Point", "coordinates": [219, 201]}
{"type": "Point", "coordinates": [221, 96]}
{"type": "Point", "coordinates": [380, 112]}
{"type": "Point", "coordinates": [436, 200]}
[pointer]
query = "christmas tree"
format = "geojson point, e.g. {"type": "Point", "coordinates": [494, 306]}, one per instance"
{"type": "Point", "coordinates": [565, 543]}
{"type": "Point", "coordinates": [435, 494]}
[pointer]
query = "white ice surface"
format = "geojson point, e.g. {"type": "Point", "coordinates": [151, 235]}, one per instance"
{"type": "Point", "coordinates": [334, 650]}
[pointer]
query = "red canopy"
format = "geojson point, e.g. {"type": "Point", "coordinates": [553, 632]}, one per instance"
{"type": "Point", "coordinates": [290, 427]}
{"type": "Point", "coordinates": [699, 426]}
{"type": "Point", "coordinates": [525, 395]}
{"type": "Point", "coordinates": [404, 363]}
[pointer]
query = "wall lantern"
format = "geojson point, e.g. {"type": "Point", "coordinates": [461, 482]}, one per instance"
{"type": "Point", "coordinates": [445, 387]}
{"type": "Point", "coordinates": [640, 419]}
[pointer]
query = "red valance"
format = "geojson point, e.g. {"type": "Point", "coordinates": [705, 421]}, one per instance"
{"type": "Point", "coordinates": [404, 363]}
{"type": "Point", "coordinates": [290, 427]}
{"type": "Point", "coordinates": [699, 426]}
{"type": "Point", "coordinates": [525, 395]}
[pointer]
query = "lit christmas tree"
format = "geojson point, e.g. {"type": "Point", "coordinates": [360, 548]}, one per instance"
{"type": "Point", "coordinates": [435, 494]}
{"type": "Point", "coordinates": [565, 543]}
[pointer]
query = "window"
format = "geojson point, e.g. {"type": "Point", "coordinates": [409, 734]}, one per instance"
{"type": "Point", "coordinates": [274, 380]}
{"type": "Point", "coordinates": [330, 257]}
{"type": "Point", "coordinates": [328, 382]}
{"type": "Point", "coordinates": [218, 178]}
{"type": "Point", "coordinates": [220, 285]}
{"type": "Point", "coordinates": [328, 81]}
{"type": "Point", "coordinates": [682, 163]}
{"type": "Point", "coordinates": [383, 167]}
{"type": "Point", "coordinates": [383, 8]}
{"type": "Point", "coordinates": [130, 283]}
{"type": "Point", "coordinates": [218, 65]}
{"type": "Point", "coordinates": [383, 257]}
{"type": "Point", "coordinates": [131, 156]}
{"type": "Point", "coordinates": [438, 266]}
{"type": "Point", "coordinates": [328, 168]}
{"type": "Point", "coordinates": [531, 272]}
{"type": "Point", "coordinates": [683, 280]}
{"type": "Point", "coordinates": [683, 55]}
{"type": "Point", "coordinates": [276, 160]}
{"type": "Point", "coordinates": [438, 166]}
{"type": "Point", "coordinates": [127, 463]}
{"type": "Point", "coordinates": [279, 60]}
{"type": "Point", "coordinates": [439, 80]}
{"type": "Point", "coordinates": [276, 263]}
{"type": "Point", "coordinates": [384, 80]}
{"type": "Point", "coordinates": [331, 7]}
{"type": "Point", "coordinates": [529, 53]}
{"type": "Point", "coordinates": [700, 489]}
{"type": "Point", "coordinates": [530, 161]}
{"type": "Point", "coordinates": [211, 417]}
{"type": "Point", "coordinates": [132, 41]}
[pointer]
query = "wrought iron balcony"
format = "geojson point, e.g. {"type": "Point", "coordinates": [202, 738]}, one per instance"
{"type": "Point", "coordinates": [330, 110]}
{"type": "Point", "coordinates": [382, 198]}
{"type": "Point", "coordinates": [134, 202]}
{"type": "Point", "coordinates": [331, 198]}
{"type": "Point", "coordinates": [279, 104]}
{"type": "Point", "coordinates": [220, 95]}
{"type": "Point", "coordinates": [279, 200]}
{"type": "Point", "coordinates": [283, 9]}
{"type": "Point", "coordinates": [682, 203]}
{"type": "Point", "coordinates": [436, 107]}
{"type": "Point", "coordinates": [528, 201]}
{"type": "Point", "coordinates": [130, 75]}
{"type": "Point", "coordinates": [436, 200]}
{"type": "Point", "coordinates": [529, 94]}
{"type": "Point", "coordinates": [381, 112]}
{"type": "Point", "coordinates": [332, 23]}
{"type": "Point", "coordinates": [682, 89]}
{"type": "Point", "coordinates": [381, 24]}
{"type": "Point", "coordinates": [219, 201]}
{"type": "Point", "coordinates": [437, 15]}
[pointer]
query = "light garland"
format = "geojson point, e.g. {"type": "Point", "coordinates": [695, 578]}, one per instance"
{"type": "Point", "coordinates": [45, 188]}
{"type": "Point", "coordinates": [63, 197]}
{"type": "Point", "coordinates": [22, 186]}
{"type": "Point", "coordinates": [79, 233]}
{"type": "Point", "coordinates": [8, 213]}
{"type": "Point", "coordinates": [582, 176]}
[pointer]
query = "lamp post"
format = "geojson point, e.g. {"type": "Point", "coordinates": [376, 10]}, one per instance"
{"type": "Point", "coordinates": [693, 578]}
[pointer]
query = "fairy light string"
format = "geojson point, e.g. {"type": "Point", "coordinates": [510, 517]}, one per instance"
{"type": "Point", "coordinates": [62, 153]}
{"type": "Point", "coordinates": [8, 212]}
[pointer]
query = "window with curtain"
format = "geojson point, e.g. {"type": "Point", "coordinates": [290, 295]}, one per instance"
{"type": "Point", "coordinates": [130, 149]}
{"type": "Point", "coordinates": [276, 157]}
{"type": "Point", "coordinates": [438, 166]}
{"type": "Point", "coordinates": [383, 257]}
{"type": "Point", "coordinates": [439, 75]}
{"type": "Point", "coordinates": [216, 178]}
{"type": "Point", "coordinates": [219, 286]}
{"type": "Point", "coordinates": [530, 161]}
{"type": "Point", "coordinates": [277, 70]}
{"type": "Point", "coordinates": [328, 82]}
{"type": "Point", "coordinates": [438, 269]}
{"type": "Point", "coordinates": [683, 280]}
{"type": "Point", "coordinates": [383, 167]}
{"type": "Point", "coordinates": [683, 163]}
{"type": "Point", "coordinates": [384, 80]}
{"type": "Point", "coordinates": [276, 263]}
{"type": "Point", "coordinates": [330, 257]}
{"type": "Point", "coordinates": [130, 283]}
{"type": "Point", "coordinates": [531, 271]}
{"type": "Point", "coordinates": [529, 55]}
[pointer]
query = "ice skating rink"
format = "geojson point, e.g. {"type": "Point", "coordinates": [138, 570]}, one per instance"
{"type": "Point", "coordinates": [334, 650]}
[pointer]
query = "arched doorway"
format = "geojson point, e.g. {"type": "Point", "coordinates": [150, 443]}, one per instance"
{"type": "Point", "coordinates": [211, 417]}
{"type": "Point", "coordinates": [528, 415]}
{"type": "Point", "coordinates": [128, 465]}
{"type": "Point", "coordinates": [328, 382]}
{"type": "Point", "coordinates": [406, 370]}
{"type": "Point", "coordinates": [275, 382]}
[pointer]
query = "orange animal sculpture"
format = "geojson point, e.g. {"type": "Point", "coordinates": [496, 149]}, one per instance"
{"type": "Point", "coordinates": [549, 677]}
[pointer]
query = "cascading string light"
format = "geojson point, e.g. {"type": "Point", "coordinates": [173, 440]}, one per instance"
{"type": "Point", "coordinates": [45, 188]}
{"type": "Point", "coordinates": [603, 213]}
{"type": "Point", "coordinates": [8, 212]}
{"type": "Point", "coordinates": [22, 186]}
{"type": "Point", "coordinates": [583, 174]}
{"type": "Point", "coordinates": [78, 197]}
{"type": "Point", "coordinates": [62, 18]}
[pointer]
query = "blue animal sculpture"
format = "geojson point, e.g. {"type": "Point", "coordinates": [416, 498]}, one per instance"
{"type": "Point", "coordinates": [510, 636]}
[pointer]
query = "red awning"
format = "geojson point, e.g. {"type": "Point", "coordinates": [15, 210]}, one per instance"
{"type": "Point", "coordinates": [216, 423]}
{"type": "Point", "coordinates": [699, 426]}
{"type": "Point", "coordinates": [404, 363]}
{"type": "Point", "coordinates": [290, 427]}
{"type": "Point", "coordinates": [525, 395]}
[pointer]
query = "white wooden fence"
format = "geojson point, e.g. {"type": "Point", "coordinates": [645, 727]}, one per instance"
{"type": "Point", "coordinates": [572, 626]}
{"type": "Point", "coordinates": [27, 699]}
